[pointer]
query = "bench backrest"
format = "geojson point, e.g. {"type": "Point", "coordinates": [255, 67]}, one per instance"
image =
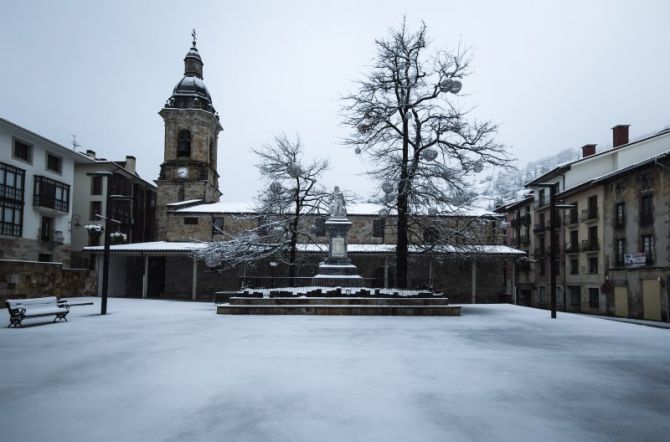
{"type": "Point", "coordinates": [34, 302]}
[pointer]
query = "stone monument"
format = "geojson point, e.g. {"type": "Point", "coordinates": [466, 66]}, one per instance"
{"type": "Point", "coordinates": [337, 269]}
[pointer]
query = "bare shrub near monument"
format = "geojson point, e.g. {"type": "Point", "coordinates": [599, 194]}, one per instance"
{"type": "Point", "coordinates": [292, 190]}
{"type": "Point", "coordinates": [416, 137]}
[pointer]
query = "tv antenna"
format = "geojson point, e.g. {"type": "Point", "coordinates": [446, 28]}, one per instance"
{"type": "Point", "coordinates": [75, 145]}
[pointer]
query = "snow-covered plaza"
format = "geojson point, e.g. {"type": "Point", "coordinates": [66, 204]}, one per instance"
{"type": "Point", "coordinates": [175, 371]}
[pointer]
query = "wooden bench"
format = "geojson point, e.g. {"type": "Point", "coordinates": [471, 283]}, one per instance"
{"type": "Point", "coordinates": [20, 309]}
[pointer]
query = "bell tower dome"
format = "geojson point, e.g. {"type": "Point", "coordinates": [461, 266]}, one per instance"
{"type": "Point", "coordinates": [192, 128]}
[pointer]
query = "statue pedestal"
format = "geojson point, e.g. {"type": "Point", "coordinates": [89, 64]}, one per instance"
{"type": "Point", "coordinates": [337, 269]}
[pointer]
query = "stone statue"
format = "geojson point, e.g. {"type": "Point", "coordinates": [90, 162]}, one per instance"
{"type": "Point", "coordinates": [336, 204]}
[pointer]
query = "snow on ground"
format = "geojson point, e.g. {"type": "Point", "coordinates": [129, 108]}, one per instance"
{"type": "Point", "coordinates": [175, 371]}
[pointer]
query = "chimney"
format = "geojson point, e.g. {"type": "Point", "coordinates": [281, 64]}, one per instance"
{"type": "Point", "coordinates": [619, 135]}
{"type": "Point", "coordinates": [130, 164]}
{"type": "Point", "coordinates": [90, 153]}
{"type": "Point", "coordinates": [588, 150]}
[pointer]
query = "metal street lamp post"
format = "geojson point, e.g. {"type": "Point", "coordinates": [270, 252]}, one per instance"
{"type": "Point", "coordinates": [107, 239]}
{"type": "Point", "coordinates": [553, 224]}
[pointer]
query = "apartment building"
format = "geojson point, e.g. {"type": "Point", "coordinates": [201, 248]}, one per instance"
{"type": "Point", "coordinates": [613, 240]}
{"type": "Point", "coordinates": [36, 186]}
{"type": "Point", "coordinates": [132, 203]}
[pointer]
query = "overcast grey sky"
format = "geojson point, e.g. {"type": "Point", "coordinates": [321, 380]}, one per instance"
{"type": "Point", "coordinates": [553, 75]}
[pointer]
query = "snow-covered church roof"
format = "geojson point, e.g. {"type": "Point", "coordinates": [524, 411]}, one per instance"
{"type": "Point", "coordinates": [185, 247]}
{"type": "Point", "coordinates": [353, 209]}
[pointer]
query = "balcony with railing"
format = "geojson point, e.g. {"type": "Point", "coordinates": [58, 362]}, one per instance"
{"type": "Point", "coordinates": [11, 193]}
{"type": "Point", "coordinates": [572, 247]}
{"type": "Point", "coordinates": [589, 215]}
{"type": "Point", "coordinates": [590, 245]}
{"type": "Point", "coordinates": [540, 203]}
{"type": "Point", "coordinates": [51, 203]}
{"type": "Point", "coordinates": [523, 265]}
{"type": "Point", "coordinates": [646, 220]}
{"type": "Point", "coordinates": [51, 194]}
{"type": "Point", "coordinates": [524, 240]}
{"type": "Point", "coordinates": [572, 217]}
{"type": "Point", "coordinates": [558, 223]}
{"type": "Point", "coordinates": [540, 227]}
{"type": "Point", "coordinates": [50, 236]}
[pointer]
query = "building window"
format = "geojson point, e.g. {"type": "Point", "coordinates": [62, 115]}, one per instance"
{"type": "Point", "coordinates": [95, 208]}
{"type": "Point", "coordinates": [594, 297]}
{"type": "Point", "coordinates": [646, 181]}
{"type": "Point", "coordinates": [202, 172]}
{"type": "Point", "coordinates": [647, 243]}
{"type": "Point", "coordinates": [647, 210]}
{"type": "Point", "coordinates": [43, 257]}
{"type": "Point", "coordinates": [574, 241]}
{"type": "Point", "coordinates": [190, 220]}
{"type": "Point", "coordinates": [543, 295]}
{"type": "Point", "coordinates": [52, 194]}
{"type": "Point", "coordinates": [47, 229]}
{"type": "Point", "coordinates": [620, 215]}
{"type": "Point", "coordinates": [23, 151]}
{"type": "Point", "coordinates": [541, 198]}
{"type": "Point", "coordinates": [574, 266]}
{"type": "Point", "coordinates": [12, 181]}
{"type": "Point", "coordinates": [11, 218]}
{"type": "Point", "coordinates": [378, 228]}
{"type": "Point", "coordinates": [574, 218]}
{"type": "Point", "coordinates": [593, 264]}
{"type": "Point", "coordinates": [575, 295]}
{"type": "Point", "coordinates": [593, 238]}
{"type": "Point", "coordinates": [543, 267]}
{"type": "Point", "coordinates": [96, 185]}
{"type": "Point", "coordinates": [593, 207]}
{"type": "Point", "coordinates": [54, 163]}
{"type": "Point", "coordinates": [217, 225]}
{"type": "Point", "coordinates": [619, 250]}
{"type": "Point", "coordinates": [184, 144]}
{"type": "Point", "coordinates": [320, 226]}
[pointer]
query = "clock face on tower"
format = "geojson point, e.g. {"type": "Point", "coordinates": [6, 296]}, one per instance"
{"type": "Point", "coordinates": [182, 172]}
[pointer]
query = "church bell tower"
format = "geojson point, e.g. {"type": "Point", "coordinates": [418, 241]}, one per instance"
{"type": "Point", "coordinates": [192, 128]}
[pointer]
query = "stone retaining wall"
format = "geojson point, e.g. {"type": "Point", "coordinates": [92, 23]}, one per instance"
{"type": "Point", "coordinates": [32, 279]}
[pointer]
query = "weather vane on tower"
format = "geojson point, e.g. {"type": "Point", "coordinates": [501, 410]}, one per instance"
{"type": "Point", "coordinates": [194, 36]}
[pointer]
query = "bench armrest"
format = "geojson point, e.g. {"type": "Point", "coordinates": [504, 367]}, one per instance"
{"type": "Point", "coordinates": [17, 311]}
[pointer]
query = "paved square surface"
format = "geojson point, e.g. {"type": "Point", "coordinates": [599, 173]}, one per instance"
{"type": "Point", "coordinates": [176, 371]}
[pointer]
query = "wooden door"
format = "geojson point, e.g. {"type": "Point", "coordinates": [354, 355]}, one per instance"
{"type": "Point", "coordinates": [651, 299]}
{"type": "Point", "coordinates": [621, 301]}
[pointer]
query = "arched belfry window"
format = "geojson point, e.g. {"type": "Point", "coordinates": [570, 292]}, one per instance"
{"type": "Point", "coordinates": [184, 144]}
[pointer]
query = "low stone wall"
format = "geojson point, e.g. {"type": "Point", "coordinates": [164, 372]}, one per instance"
{"type": "Point", "coordinates": [452, 277]}
{"type": "Point", "coordinates": [32, 279]}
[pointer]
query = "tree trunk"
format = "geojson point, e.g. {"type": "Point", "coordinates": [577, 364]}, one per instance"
{"type": "Point", "coordinates": [294, 241]}
{"type": "Point", "coordinates": [401, 247]}
{"type": "Point", "coordinates": [403, 191]}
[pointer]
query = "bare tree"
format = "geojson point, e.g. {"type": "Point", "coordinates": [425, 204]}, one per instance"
{"type": "Point", "coordinates": [420, 144]}
{"type": "Point", "coordinates": [291, 191]}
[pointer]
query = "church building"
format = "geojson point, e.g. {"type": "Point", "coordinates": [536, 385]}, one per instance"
{"type": "Point", "coordinates": [189, 214]}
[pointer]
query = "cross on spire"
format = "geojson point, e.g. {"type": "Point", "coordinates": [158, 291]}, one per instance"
{"type": "Point", "coordinates": [194, 36]}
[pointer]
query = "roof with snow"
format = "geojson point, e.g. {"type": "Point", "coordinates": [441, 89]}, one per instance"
{"type": "Point", "coordinates": [615, 173]}
{"type": "Point", "coordinates": [77, 156]}
{"type": "Point", "coordinates": [167, 247]}
{"type": "Point", "coordinates": [566, 166]}
{"type": "Point", "coordinates": [353, 209]}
